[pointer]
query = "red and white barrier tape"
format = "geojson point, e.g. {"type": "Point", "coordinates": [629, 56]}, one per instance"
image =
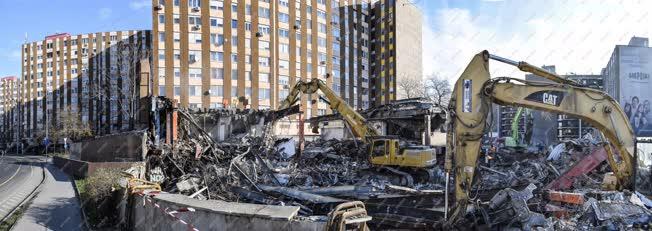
{"type": "Point", "coordinates": [167, 211]}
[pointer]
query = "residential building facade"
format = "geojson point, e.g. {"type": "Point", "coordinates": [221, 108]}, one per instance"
{"type": "Point", "coordinates": [396, 32]}
{"type": "Point", "coordinates": [9, 89]}
{"type": "Point", "coordinates": [214, 53]}
{"type": "Point", "coordinates": [92, 76]}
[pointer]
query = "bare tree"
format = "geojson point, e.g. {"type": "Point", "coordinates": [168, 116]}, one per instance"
{"type": "Point", "coordinates": [69, 125]}
{"type": "Point", "coordinates": [438, 91]}
{"type": "Point", "coordinates": [410, 87]}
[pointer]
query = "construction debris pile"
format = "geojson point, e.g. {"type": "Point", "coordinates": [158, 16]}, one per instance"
{"type": "Point", "coordinates": [560, 189]}
{"type": "Point", "coordinates": [250, 168]}
{"type": "Point", "coordinates": [516, 187]}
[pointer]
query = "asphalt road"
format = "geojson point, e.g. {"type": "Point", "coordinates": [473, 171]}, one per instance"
{"type": "Point", "coordinates": [19, 176]}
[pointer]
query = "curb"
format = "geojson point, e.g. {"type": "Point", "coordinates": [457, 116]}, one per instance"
{"type": "Point", "coordinates": [28, 198]}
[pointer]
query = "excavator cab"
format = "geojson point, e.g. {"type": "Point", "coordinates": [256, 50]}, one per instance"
{"type": "Point", "coordinates": [387, 151]}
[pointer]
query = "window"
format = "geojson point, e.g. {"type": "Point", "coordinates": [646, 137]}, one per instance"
{"type": "Point", "coordinates": [283, 17]}
{"type": "Point", "coordinates": [194, 56]}
{"type": "Point", "coordinates": [161, 54]}
{"type": "Point", "coordinates": [161, 90]}
{"type": "Point", "coordinates": [263, 29]}
{"type": "Point", "coordinates": [161, 36]}
{"type": "Point", "coordinates": [263, 93]}
{"type": "Point", "coordinates": [234, 91]}
{"type": "Point", "coordinates": [177, 90]}
{"type": "Point", "coordinates": [161, 18]}
{"type": "Point", "coordinates": [283, 64]}
{"type": "Point", "coordinates": [217, 5]}
{"type": "Point", "coordinates": [195, 37]}
{"type": "Point", "coordinates": [177, 2]}
{"type": "Point", "coordinates": [194, 90]}
{"type": "Point", "coordinates": [217, 39]}
{"type": "Point", "coordinates": [284, 48]}
{"type": "Point", "coordinates": [284, 3]}
{"type": "Point", "coordinates": [263, 77]}
{"type": "Point", "coordinates": [234, 58]}
{"type": "Point", "coordinates": [263, 45]}
{"type": "Point", "coordinates": [217, 73]}
{"type": "Point", "coordinates": [321, 42]}
{"type": "Point", "coordinates": [248, 26]}
{"type": "Point", "coordinates": [217, 22]}
{"type": "Point", "coordinates": [321, 14]}
{"type": "Point", "coordinates": [177, 37]}
{"type": "Point", "coordinates": [234, 23]}
{"type": "Point", "coordinates": [263, 12]}
{"type": "Point", "coordinates": [248, 9]}
{"type": "Point", "coordinates": [283, 80]}
{"type": "Point", "coordinates": [217, 56]}
{"type": "Point", "coordinates": [177, 18]}
{"type": "Point", "coordinates": [234, 74]}
{"type": "Point", "coordinates": [194, 20]}
{"type": "Point", "coordinates": [177, 73]}
{"type": "Point", "coordinates": [194, 73]}
{"type": "Point", "coordinates": [322, 28]}
{"type": "Point", "coordinates": [248, 75]}
{"type": "Point", "coordinates": [234, 41]}
{"type": "Point", "coordinates": [194, 3]}
{"type": "Point", "coordinates": [217, 90]}
{"type": "Point", "coordinates": [283, 33]}
{"type": "Point", "coordinates": [177, 55]}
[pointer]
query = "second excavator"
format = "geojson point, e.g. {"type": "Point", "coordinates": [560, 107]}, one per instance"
{"type": "Point", "coordinates": [387, 151]}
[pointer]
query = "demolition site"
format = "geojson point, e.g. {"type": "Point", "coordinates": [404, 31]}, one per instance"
{"type": "Point", "coordinates": [404, 165]}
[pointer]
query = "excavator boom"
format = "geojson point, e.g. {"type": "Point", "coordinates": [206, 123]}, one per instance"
{"type": "Point", "coordinates": [474, 92]}
{"type": "Point", "coordinates": [356, 121]}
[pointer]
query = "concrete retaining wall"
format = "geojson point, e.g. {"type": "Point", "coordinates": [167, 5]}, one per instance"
{"type": "Point", "coordinates": [213, 215]}
{"type": "Point", "coordinates": [122, 147]}
{"type": "Point", "coordinates": [82, 169]}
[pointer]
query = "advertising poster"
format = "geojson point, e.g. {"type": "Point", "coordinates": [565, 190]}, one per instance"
{"type": "Point", "coordinates": [635, 85]}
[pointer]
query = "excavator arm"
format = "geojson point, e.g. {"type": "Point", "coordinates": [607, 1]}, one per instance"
{"type": "Point", "coordinates": [356, 121]}
{"type": "Point", "coordinates": [470, 106]}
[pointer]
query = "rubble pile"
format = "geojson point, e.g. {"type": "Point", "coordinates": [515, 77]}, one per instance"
{"type": "Point", "coordinates": [528, 190]}
{"type": "Point", "coordinates": [517, 188]}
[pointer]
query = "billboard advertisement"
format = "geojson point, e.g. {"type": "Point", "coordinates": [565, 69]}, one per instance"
{"type": "Point", "coordinates": [636, 87]}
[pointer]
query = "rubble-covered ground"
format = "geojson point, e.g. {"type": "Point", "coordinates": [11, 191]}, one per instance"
{"type": "Point", "coordinates": [511, 189]}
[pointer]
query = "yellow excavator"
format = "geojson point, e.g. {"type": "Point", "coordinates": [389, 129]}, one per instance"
{"type": "Point", "coordinates": [470, 107]}
{"type": "Point", "coordinates": [383, 150]}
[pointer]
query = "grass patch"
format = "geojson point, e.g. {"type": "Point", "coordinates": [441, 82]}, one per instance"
{"type": "Point", "coordinates": [97, 198]}
{"type": "Point", "coordinates": [11, 221]}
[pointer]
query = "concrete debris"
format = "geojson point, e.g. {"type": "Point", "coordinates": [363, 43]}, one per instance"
{"type": "Point", "coordinates": [512, 189]}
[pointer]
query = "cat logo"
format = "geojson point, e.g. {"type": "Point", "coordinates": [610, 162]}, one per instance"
{"type": "Point", "coordinates": [549, 99]}
{"type": "Point", "coordinates": [553, 98]}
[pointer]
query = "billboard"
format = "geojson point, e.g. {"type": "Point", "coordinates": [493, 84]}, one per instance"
{"type": "Point", "coordinates": [635, 87]}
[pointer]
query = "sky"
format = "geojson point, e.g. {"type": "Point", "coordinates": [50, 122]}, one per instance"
{"type": "Point", "coordinates": [577, 36]}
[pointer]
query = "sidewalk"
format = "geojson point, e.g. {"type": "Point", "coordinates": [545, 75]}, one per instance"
{"type": "Point", "coordinates": [56, 207]}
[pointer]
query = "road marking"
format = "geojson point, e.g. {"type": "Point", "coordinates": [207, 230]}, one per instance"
{"type": "Point", "coordinates": [12, 176]}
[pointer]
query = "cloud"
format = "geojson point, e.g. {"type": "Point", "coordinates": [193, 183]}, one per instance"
{"type": "Point", "coordinates": [140, 4]}
{"type": "Point", "coordinates": [105, 13]}
{"type": "Point", "coordinates": [575, 36]}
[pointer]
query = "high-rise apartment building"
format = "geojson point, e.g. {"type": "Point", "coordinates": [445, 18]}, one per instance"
{"type": "Point", "coordinates": [396, 32]}
{"type": "Point", "coordinates": [226, 53]}
{"type": "Point", "coordinates": [9, 89]}
{"type": "Point", "coordinates": [93, 76]}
